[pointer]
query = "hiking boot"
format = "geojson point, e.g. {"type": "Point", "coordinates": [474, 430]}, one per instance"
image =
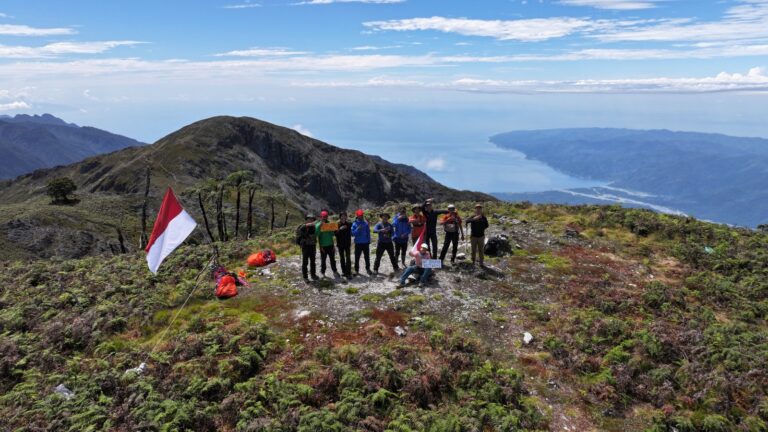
{"type": "Point", "coordinates": [314, 277]}
{"type": "Point", "coordinates": [368, 271]}
{"type": "Point", "coordinates": [336, 275]}
{"type": "Point", "coordinates": [400, 285]}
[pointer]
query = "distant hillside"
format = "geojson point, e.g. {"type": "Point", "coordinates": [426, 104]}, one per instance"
{"type": "Point", "coordinates": [29, 142]}
{"type": "Point", "coordinates": [307, 173]}
{"type": "Point", "coordinates": [710, 176]}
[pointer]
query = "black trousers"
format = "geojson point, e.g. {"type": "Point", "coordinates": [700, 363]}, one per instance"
{"type": "Point", "coordinates": [363, 249]}
{"type": "Point", "coordinates": [327, 252]}
{"type": "Point", "coordinates": [401, 249]}
{"type": "Point", "coordinates": [450, 238]}
{"type": "Point", "coordinates": [345, 260]}
{"type": "Point", "coordinates": [308, 258]}
{"type": "Point", "coordinates": [389, 248]}
{"type": "Point", "coordinates": [431, 240]}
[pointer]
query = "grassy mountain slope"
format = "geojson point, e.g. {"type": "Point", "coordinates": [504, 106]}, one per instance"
{"type": "Point", "coordinates": [643, 322]}
{"type": "Point", "coordinates": [28, 143]}
{"type": "Point", "coordinates": [308, 173]}
{"type": "Point", "coordinates": [711, 176]}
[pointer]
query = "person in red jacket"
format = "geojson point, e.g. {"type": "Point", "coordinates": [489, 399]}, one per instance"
{"type": "Point", "coordinates": [452, 225]}
{"type": "Point", "coordinates": [418, 224]}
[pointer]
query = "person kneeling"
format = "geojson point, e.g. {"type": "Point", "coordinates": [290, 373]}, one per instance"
{"type": "Point", "coordinates": [416, 266]}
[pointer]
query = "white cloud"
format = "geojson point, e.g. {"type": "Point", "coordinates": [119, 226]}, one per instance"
{"type": "Point", "coordinates": [370, 83]}
{"type": "Point", "coordinates": [374, 48]}
{"type": "Point", "coordinates": [16, 105]}
{"type": "Point", "coordinates": [325, 2]}
{"type": "Point", "coordinates": [612, 4]}
{"type": "Point", "coordinates": [756, 80]}
{"type": "Point", "coordinates": [435, 164]}
{"type": "Point", "coordinates": [531, 30]}
{"type": "Point", "coordinates": [261, 52]}
{"type": "Point", "coordinates": [23, 30]}
{"type": "Point", "coordinates": [747, 20]}
{"type": "Point", "coordinates": [61, 48]}
{"type": "Point", "coordinates": [302, 130]}
{"type": "Point", "coordinates": [245, 5]}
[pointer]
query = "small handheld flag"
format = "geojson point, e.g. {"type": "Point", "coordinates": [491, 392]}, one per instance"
{"type": "Point", "coordinates": [417, 247]}
{"type": "Point", "coordinates": [172, 226]}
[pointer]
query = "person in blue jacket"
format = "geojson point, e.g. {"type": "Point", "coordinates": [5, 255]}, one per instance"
{"type": "Point", "coordinates": [385, 231]}
{"type": "Point", "coordinates": [361, 231]}
{"type": "Point", "coordinates": [402, 233]}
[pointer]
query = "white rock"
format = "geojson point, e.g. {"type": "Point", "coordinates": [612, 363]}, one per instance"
{"type": "Point", "coordinates": [138, 370]}
{"type": "Point", "coordinates": [527, 338]}
{"type": "Point", "coordinates": [302, 313]}
{"type": "Point", "coordinates": [64, 392]}
{"type": "Point", "coordinates": [400, 331]}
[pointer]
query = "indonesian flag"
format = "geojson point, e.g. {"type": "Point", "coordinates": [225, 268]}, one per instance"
{"type": "Point", "coordinates": [417, 247]}
{"type": "Point", "coordinates": [172, 226]}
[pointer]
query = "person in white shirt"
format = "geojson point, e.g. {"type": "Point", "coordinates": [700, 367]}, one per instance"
{"type": "Point", "coordinates": [419, 257]}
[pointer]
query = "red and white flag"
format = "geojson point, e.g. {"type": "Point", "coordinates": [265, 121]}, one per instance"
{"type": "Point", "coordinates": [172, 226]}
{"type": "Point", "coordinates": [417, 247]}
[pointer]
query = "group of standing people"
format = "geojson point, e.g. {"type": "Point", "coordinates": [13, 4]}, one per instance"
{"type": "Point", "coordinates": [393, 239]}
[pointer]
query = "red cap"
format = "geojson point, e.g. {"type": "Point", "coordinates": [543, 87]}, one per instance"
{"type": "Point", "coordinates": [323, 214]}
{"type": "Point", "coordinates": [359, 213]}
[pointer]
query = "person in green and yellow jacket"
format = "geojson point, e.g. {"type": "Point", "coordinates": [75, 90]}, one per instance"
{"type": "Point", "coordinates": [325, 237]}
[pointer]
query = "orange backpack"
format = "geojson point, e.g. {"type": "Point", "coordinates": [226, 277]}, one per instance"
{"type": "Point", "coordinates": [227, 287]}
{"type": "Point", "coordinates": [262, 258]}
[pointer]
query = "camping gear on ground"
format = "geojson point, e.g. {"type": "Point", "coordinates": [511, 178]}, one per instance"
{"type": "Point", "coordinates": [262, 258]}
{"type": "Point", "coordinates": [497, 246]}
{"type": "Point", "coordinates": [227, 287]}
{"type": "Point", "coordinates": [227, 282]}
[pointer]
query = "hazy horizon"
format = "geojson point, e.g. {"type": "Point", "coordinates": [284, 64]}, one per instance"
{"type": "Point", "coordinates": [394, 77]}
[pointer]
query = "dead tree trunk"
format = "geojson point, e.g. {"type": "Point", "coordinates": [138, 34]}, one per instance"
{"type": "Point", "coordinates": [143, 239]}
{"type": "Point", "coordinates": [251, 194]}
{"type": "Point", "coordinates": [285, 222]}
{"type": "Point", "coordinates": [121, 240]}
{"type": "Point", "coordinates": [220, 225]}
{"type": "Point", "coordinates": [205, 216]}
{"type": "Point", "coordinates": [237, 213]}
{"type": "Point", "coordinates": [272, 221]}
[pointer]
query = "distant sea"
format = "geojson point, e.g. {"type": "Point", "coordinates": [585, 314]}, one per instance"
{"type": "Point", "coordinates": [474, 164]}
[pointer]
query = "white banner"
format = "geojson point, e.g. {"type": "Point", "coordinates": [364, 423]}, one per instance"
{"type": "Point", "coordinates": [432, 264]}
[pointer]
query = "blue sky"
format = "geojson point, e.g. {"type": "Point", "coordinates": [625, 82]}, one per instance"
{"type": "Point", "coordinates": [416, 81]}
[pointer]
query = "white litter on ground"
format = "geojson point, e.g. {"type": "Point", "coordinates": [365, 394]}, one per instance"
{"type": "Point", "coordinates": [527, 338]}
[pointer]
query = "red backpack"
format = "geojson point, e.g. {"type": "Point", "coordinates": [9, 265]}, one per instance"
{"type": "Point", "coordinates": [262, 258]}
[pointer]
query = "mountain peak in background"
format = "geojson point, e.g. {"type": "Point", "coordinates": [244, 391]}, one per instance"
{"type": "Point", "coordinates": [710, 176]}
{"type": "Point", "coordinates": [307, 174]}
{"type": "Point", "coordinates": [46, 119]}
{"type": "Point", "coordinates": [30, 142]}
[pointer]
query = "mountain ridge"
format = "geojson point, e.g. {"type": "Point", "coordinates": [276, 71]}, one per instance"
{"type": "Point", "coordinates": [711, 176]}
{"type": "Point", "coordinates": [28, 143]}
